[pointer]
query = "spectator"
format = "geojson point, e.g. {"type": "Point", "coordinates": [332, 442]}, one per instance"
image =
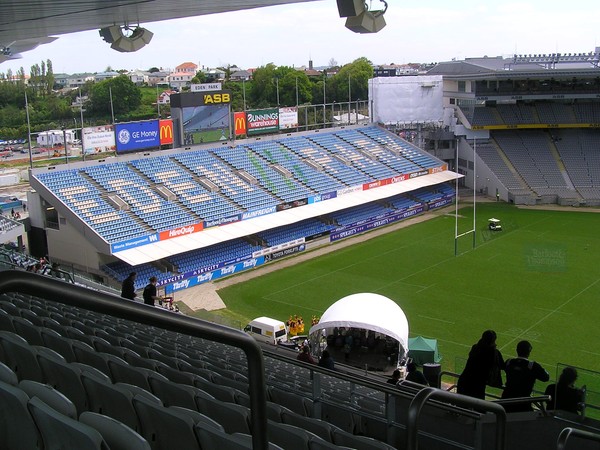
{"type": "Point", "coordinates": [395, 377]}
{"type": "Point", "coordinates": [326, 361]}
{"type": "Point", "coordinates": [521, 374]}
{"type": "Point", "coordinates": [305, 356]}
{"type": "Point", "coordinates": [415, 375]}
{"type": "Point", "coordinates": [564, 395]}
{"type": "Point", "coordinates": [150, 292]}
{"type": "Point", "coordinates": [483, 367]}
{"type": "Point", "coordinates": [128, 287]}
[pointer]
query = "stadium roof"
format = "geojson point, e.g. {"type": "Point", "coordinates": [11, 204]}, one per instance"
{"type": "Point", "coordinates": [215, 235]}
{"type": "Point", "coordinates": [25, 24]}
{"type": "Point", "coordinates": [499, 67]}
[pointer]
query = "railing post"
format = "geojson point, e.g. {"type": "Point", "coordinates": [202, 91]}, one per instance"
{"type": "Point", "coordinates": [416, 405]}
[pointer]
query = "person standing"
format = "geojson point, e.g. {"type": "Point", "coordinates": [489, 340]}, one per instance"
{"type": "Point", "coordinates": [305, 356]}
{"type": "Point", "coordinates": [128, 287]}
{"type": "Point", "coordinates": [564, 395]}
{"type": "Point", "coordinates": [415, 375]}
{"type": "Point", "coordinates": [326, 361]}
{"type": "Point", "coordinates": [150, 292]}
{"type": "Point", "coordinates": [483, 367]}
{"type": "Point", "coordinates": [521, 374]}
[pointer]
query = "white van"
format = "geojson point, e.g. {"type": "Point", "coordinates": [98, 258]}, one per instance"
{"type": "Point", "coordinates": [268, 330]}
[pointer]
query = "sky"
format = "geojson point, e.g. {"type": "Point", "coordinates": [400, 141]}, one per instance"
{"type": "Point", "coordinates": [291, 35]}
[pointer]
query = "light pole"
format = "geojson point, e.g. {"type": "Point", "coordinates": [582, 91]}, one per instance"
{"type": "Point", "coordinates": [277, 87]}
{"type": "Point", "coordinates": [112, 111]}
{"type": "Point", "coordinates": [244, 93]}
{"type": "Point", "coordinates": [157, 103]}
{"type": "Point", "coordinates": [28, 131]}
{"type": "Point", "coordinates": [81, 118]}
{"type": "Point", "coordinates": [349, 99]}
{"type": "Point", "coordinates": [296, 93]}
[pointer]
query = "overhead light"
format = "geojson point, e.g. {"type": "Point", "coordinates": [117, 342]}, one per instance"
{"type": "Point", "coordinates": [366, 21]}
{"type": "Point", "coordinates": [123, 41]}
{"type": "Point", "coordinates": [350, 8]}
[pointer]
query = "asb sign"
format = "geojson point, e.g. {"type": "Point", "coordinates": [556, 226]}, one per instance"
{"type": "Point", "coordinates": [136, 136]}
{"type": "Point", "coordinates": [165, 132]}
{"type": "Point", "coordinates": [239, 123]}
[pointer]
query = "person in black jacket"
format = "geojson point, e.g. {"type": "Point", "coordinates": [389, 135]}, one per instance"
{"type": "Point", "coordinates": [564, 395]}
{"type": "Point", "coordinates": [150, 292]}
{"type": "Point", "coordinates": [326, 361]}
{"type": "Point", "coordinates": [128, 287]}
{"type": "Point", "coordinates": [483, 367]}
{"type": "Point", "coordinates": [521, 374]}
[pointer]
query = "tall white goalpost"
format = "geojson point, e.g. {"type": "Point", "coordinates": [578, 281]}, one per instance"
{"type": "Point", "coordinates": [473, 230]}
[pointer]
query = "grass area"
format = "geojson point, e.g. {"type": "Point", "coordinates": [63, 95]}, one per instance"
{"type": "Point", "coordinates": [539, 280]}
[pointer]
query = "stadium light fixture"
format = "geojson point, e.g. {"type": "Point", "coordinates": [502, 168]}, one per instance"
{"type": "Point", "coordinates": [125, 39]}
{"type": "Point", "coordinates": [361, 19]}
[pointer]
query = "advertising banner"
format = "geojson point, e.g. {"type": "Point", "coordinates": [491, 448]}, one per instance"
{"type": "Point", "coordinates": [134, 136]}
{"type": "Point", "coordinates": [165, 132]}
{"type": "Point", "coordinates": [350, 231]}
{"type": "Point", "coordinates": [214, 275]}
{"type": "Point", "coordinates": [181, 231]}
{"type": "Point", "coordinates": [288, 118]}
{"type": "Point", "coordinates": [262, 121]}
{"type": "Point", "coordinates": [239, 123]}
{"type": "Point", "coordinates": [98, 139]}
{"type": "Point", "coordinates": [132, 243]}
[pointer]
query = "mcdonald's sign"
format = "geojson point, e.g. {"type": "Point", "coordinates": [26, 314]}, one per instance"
{"type": "Point", "coordinates": [165, 131]}
{"type": "Point", "coordinates": [239, 121]}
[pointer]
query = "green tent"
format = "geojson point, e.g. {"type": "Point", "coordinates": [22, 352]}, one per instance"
{"type": "Point", "coordinates": [423, 350]}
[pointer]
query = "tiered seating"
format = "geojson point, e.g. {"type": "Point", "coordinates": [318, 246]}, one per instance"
{"type": "Point", "coordinates": [360, 141]}
{"type": "Point", "coordinates": [336, 146]}
{"type": "Point", "coordinates": [360, 213]}
{"type": "Point", "coordinates": [85, 200]}
{"type": "Point", "coordinates": [168, 388]}
{"type": "Point", "coordinates": [242, 158]}
{"type": "Point", "coordinates": [587, 112]}
{"type": "Point", "coordinates": [275, 152]}
{"type": "Point", "coordinates": [306, 149]}
{"type": "Point", "coordinates": [530, 154]}
{"type": "Point", "coordinates": [484, 115]}
{"type": "Point", "coordinates": [403, 203]}
{"type": "Point", "coordinates": [408, 151]}
{"type": "Point", "coordinates": [204, 164]}
{"type": "Point", "coordinates": [206, 204]}
{"type": "Point", "coordinates": [516, 114]}
{"type": "Point", "coordinates": [490, 156]}
{"type": "Point", "coordinates": [297, 230]}
{"type": "Point", "coordinates": [555, 113]}
{"type": "Point", "coordinates": [579, 153]}
{"type": "Point", "coordinates": [230, 251]}
{"type": "Point", "coordinates": [157, 212]}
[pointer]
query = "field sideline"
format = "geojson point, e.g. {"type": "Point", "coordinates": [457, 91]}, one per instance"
{"type": "Point", "coordinates": [539, 279]}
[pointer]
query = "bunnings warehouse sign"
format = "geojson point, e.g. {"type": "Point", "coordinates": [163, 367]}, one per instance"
{"type": "Point", "coordinates": [262, 121]}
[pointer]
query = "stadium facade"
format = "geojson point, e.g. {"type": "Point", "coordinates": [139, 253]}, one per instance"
{"type": "Point", "coordinates": [529, 123]}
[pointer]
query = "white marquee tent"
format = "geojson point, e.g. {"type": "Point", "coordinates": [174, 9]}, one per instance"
{"type": "Point", "coordinates": [367, 311]}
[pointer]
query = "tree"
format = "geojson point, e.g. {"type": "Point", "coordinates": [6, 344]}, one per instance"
{"type": "Point", "coordinates": [126, 96]}
{"type": "Point", "coordinates": [153, 69]}
{"type": "Point", "coordinates": [357, 73]}
{"type": "Point", "coordinates": [264, 90]}
{"type": "Point", "coordinates": [199, 78]}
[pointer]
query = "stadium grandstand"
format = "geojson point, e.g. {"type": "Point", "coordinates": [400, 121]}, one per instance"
{"type": "Point", "coordinates": [190, 216]}
{"type": "Point", "coordinates": [528, 123]}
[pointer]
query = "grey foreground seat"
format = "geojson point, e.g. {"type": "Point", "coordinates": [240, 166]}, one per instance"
{"type": "Point", "coordinates": [110, 400]}
{"type": "Point", "coordinates": [53, 398]}
{"type": "Point", "coordinates": [62, 432]}
{"type": "Point", "coordinates": [65, 378]}
{"type": "Point", "coordinates": [17, 429]}
{"type": "Point", "coordinates": [117, 435]}
{"type": "Point", "coordinates": [7, 375]}
{"type": "Point", "coordinates": [20, 357]}
{"type": "Point", "coordinates": [165, 428]}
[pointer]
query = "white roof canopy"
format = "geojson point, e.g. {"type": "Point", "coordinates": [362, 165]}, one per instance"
{"type": "Point", "coordinates": [367, 311]}
{"type": "Point", "coordinates": [215, 235]}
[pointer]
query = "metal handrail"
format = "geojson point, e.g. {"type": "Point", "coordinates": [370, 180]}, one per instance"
{"type": "Point", "coordinates": [414, 411]}
{"type": "Point", "coordinates": [59, 291]}
{"type": "Point", "coordinates": [565, 434]}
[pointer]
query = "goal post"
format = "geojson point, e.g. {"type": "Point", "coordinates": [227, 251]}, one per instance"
{"type": "Point", "coordinates": [472, 231]}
